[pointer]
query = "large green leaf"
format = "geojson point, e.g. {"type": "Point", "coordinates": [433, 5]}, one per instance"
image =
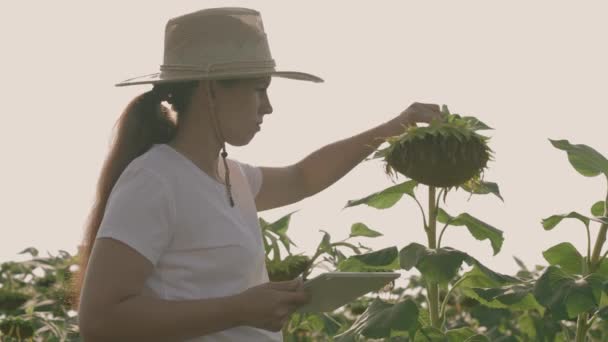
{"type": "Point", "coordinates": [598, 208]}
{"type": "Point", "coordinates": [386, 259]}
{"type": "Point", "coordinates": [566, 256]}
{"type": "Point", "coordinates": [442, 264]}
{"type": "Point", "coordinates": [381, 319]}
{"type": "Point", "coordinates": [360, 229]}
{"type": "Point", "coordinates": [436, 265]}
{"type": "Point", "coordinates": [479, 229]}
{"type": "Point", "coordinates": [488, 273]}
{"type": "Point", "coordinates": [567, 295]}
{"type": "Point", "coordinates": [482, 188]}
{"type": "Point", "coordinates": [387, 197]}
{"type": "Point", "coordinates": [497, 290]}
{"type": "Point", "coordinates": [587, 161]}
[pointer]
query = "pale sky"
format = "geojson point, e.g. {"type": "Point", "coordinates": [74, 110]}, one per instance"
{"type": "Point", "coordinates": [531, 70]}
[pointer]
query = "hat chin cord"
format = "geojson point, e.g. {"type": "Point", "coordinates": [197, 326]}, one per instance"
{"type": "Point", "coordinates": [224, 154]}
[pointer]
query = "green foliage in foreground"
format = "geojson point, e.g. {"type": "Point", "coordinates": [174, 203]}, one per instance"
{"type": "Point", "coordinates": [566, 300]}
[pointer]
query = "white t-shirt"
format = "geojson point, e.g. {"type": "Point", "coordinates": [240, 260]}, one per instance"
{"type": "Point", "coordinates": [179, 218]}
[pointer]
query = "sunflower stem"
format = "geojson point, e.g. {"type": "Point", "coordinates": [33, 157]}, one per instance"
{"type": "Point", "coordinates": [581, 328]}
{"type": "Point", "coordinates": [599, 242]}
{"type": "Point", "coordinates": [433, 288]}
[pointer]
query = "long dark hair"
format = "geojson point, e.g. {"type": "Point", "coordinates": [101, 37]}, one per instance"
{"type": "Point", "coordinates": [144, 122]}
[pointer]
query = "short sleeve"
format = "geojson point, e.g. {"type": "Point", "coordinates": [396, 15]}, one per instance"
{"type": "Point", "coordinates": [253, 174]}
{"type": "Point", "coordinates": [140, 213]}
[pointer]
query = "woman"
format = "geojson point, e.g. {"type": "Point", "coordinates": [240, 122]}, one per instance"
{"type": "Point", "coordinates": [173, 250]}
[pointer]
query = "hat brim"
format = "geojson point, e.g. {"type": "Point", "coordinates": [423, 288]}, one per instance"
{"type": "Point", "coordinates": [159, 78]}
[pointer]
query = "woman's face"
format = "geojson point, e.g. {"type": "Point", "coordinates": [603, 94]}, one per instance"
{"type": "Point", "coordinates": [241, 107]}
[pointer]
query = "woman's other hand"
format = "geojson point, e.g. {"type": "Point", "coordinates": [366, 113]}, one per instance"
{"type": "Point", "coordinates": [268, 306]}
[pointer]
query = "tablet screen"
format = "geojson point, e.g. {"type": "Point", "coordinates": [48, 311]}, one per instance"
{"type": "Point", "coordinates": [329, 291]}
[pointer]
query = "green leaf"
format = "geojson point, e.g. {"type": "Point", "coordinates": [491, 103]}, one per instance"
{"type": "Point", "coordinates": [410, 255]}
{"type": "Point", "coordinates": [379, 153]}
{"type": "Point", "coordinates": [567, 295]}
{"type": "Point", "coordinates": [494, 276]}
{"type": "Point", "coordinates": [443, 216]}
{"type": "Point", "coordinates": [382, 318]}
{"type": "Point", "coordinates": [31, 250]}
{"type": "Point", "coordinates": [430, 334]}
{"type": "Point", "coordinates": [566, 256]}
{"type": "Point", "coordinates": [445, 110]}
{"type": "Point", "coordinates": [442, 264]}
{"type": "Point", "coordinates": [360, 229]}
{"type": "Point", "coordinates": [387, 197]}
{"type": "Point", "coordinates": [552, 221]}
{"type": "Point", "coordinates": [325, 244]}
{"type": "Point", "coordinates": [274, 246]}
{"type": "Point", "coordinates": [598, 208]}
{"type": "Point", "coordinates": [520, 263]}
{"type": "Point", "coordinates": [475, 124]}
{"type": "Point", "coordinates": [424, 317]}
{"type": "Point", "coordinates": [459, 335]}
{"type": "Point", "coordinates": [603, 313]}
{"type": "Point", "coordinates": [477, 338]}
{"type": "Point", "coordinates": [482, 188]}
{"type": "Point", "coordinates": [280, 228]}
{"type": "Point", "coordinates": [382, 260]}
{"type": "Point", "coordinates": [354, 248]}
{"type": "Point", "coordinates": [603, 269]}
{"type": "Point", "coordinates": [516, 296]}
{"type": "Point", "coordinates": [497, 290]}
{"type": "Point", "coordinates": [587, 161]}
{"type": "Point", "coordinates": [436, 265]}
{"type": "Point", "coordinates": [479, 229]}
{"type": "Point", "coordinates": [527, 326]}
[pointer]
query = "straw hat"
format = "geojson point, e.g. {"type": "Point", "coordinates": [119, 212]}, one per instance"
{"type": "Point", "coordinates": [216, 43]}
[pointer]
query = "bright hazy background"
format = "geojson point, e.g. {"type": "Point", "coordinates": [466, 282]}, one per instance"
{"type": "Point", "coordinates": [531, 70]}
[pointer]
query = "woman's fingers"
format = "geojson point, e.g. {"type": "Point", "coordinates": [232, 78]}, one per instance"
{"type": "Point", "coordinates": [290, 285]}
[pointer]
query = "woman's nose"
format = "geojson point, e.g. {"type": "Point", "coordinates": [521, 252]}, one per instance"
{"type": "Point", "coordinates": [266, 107]}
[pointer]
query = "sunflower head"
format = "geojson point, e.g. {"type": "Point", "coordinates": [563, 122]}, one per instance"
{"type": "Point", "coordinates": [446, 153]}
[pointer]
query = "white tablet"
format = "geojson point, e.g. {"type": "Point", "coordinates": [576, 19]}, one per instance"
{"type": "Point", "coordinates": [331, 290]}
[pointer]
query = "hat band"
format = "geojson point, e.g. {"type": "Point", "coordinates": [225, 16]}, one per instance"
{"type": "Point", "coordinates": [237, 66]}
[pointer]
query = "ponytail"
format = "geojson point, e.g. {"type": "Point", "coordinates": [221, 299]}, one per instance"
{"type": "Point", "coordinates": [144, 122]}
